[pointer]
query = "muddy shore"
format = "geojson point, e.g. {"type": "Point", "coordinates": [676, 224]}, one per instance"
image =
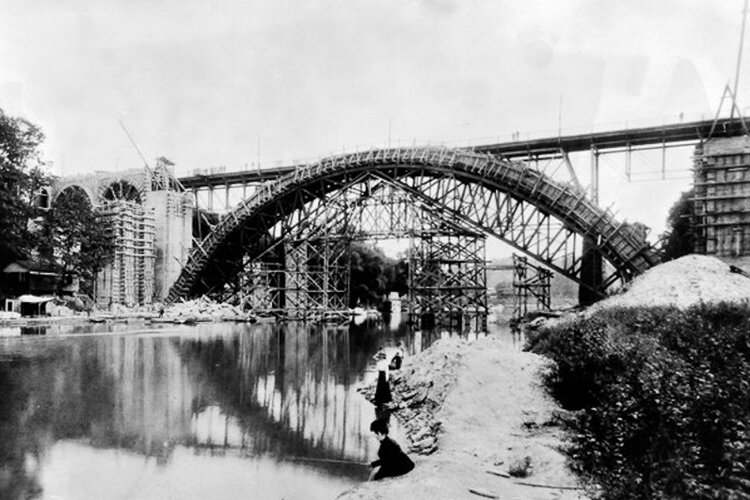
{"type": "Point", "coordinates": [497, 432]}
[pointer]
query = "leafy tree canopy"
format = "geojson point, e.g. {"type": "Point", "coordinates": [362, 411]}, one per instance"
{"type": "Point", "coordinates": [373, 275]}
{"type": "Point", "coordinates": [21, 178]}
{"type": "Point", "coordinates": [82, 239]}
{"type": "Point", "coordinates": [367, 279]}
{"type": "Point", "coordinates": [679, 238]}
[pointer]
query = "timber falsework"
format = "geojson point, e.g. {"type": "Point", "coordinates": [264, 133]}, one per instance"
{"type": "Point", "coordinates": [510, 200]}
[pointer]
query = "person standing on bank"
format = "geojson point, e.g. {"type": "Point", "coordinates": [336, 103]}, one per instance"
{"type": "Point", "coordinates": [383, 388]}
{"type": "Point", "coordinates": [391, 460]}
{"type": "Point", "coordinates": [396, 361]}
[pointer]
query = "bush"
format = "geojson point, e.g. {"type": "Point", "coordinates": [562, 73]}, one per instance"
{"type": "Point", "coordinates": [664, 396]}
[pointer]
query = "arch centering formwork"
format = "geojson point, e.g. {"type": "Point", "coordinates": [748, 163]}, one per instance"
{"type": "Point", "coordinates": [494, 195]}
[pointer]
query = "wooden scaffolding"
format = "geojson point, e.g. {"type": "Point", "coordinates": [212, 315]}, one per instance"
{"type": "Point", "coordinates": [448, 281]}
{"type": "Point", "coordinates": [531, 285]}
{"type": "Point", "coordinates": [129, 279]}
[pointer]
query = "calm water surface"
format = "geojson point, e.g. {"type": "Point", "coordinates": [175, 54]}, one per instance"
{"type": "Point", "coordinates": [212, 411]}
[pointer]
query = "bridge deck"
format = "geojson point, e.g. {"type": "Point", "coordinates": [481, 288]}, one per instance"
{"type": "Point", "coordinates": [635, 137]}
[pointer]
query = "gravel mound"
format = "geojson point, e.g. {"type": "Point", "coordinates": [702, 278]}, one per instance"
{"type": "Point", "coordinates": [683, 282]}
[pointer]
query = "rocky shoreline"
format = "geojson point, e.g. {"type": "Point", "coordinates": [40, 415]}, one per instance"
{"type": "Point", "coordinates": [419, 392]}
{"type": "Point", "coordinates": [415, 412]}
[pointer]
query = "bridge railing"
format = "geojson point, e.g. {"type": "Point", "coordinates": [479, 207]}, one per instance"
{"type": "Point", "coordinates": [481, 141]}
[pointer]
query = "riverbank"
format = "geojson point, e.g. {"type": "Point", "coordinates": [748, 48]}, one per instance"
{"type": "Point", "coordinates": [669, 328]}
{"type": "Point", "coordinates": [200, 309]}
{"type": "Point", "coordinates": [654, 374]}
{"type": "Point", "coordinates": [76, 319]}
{"type": "Point", "coordinates": [493, 419]}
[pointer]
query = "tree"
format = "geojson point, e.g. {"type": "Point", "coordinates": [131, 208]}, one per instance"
{"type": "Point", "coordinates": [82, 239]}
{"type": "Point", "coordinates": [21, 179]}
{"type": "Point", "coordinates": [97, 250]}
{"type": "Point", "coordinates": [373, 275]}
{"type": "Point", "coordinates": [679, 238]}
{"type": "Point", "coordinates": [397, 272]}
{"type": "Point", "coordinates": [367, 279]}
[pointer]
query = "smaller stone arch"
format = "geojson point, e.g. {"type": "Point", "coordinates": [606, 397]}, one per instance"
{"type": "Point", "coordinates": [77, 183]}
{"type": "Point", "coordinates": [73, 188]}
{"type": "Point", "coordinates": [120, 190]}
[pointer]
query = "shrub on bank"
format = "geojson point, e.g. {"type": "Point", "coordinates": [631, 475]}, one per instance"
{"type": "Point", "coordinates": [664, 399]}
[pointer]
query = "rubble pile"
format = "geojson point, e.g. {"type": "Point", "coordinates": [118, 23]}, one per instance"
{"type": "Point", "coordinates": [202, 309]}
{"type": "Point", "coordinates": [55, 309]}
{"type": "Point", "coordinates": [419, 390]}
{"type": "Point", "coordinates": [683, 282]}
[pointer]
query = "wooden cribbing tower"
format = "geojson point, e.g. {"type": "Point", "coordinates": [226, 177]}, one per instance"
{"type": "Point", "coordinates": [531, 284]}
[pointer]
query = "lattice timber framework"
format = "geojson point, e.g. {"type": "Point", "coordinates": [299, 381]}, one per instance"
{"type": "Point", "coordinates": [129, 278]}
{"type": "Point", "coordinates": [451, 191]}
{"type": "Point", "coordinates": [305, 278]}
{"type": "Point", "coordinates": [448, 281]}
{"type": "Point", "coordinates": [304, 272]}
{"type": "Point", "coordinates": [721, 212]}
{"type": "Point", "coordinates": [530, 283]}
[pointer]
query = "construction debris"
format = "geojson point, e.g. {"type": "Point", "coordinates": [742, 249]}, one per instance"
{"type": "Point", "coordinates": [483, 493]}
{"type": "Point", "coordinates": [200, 309]}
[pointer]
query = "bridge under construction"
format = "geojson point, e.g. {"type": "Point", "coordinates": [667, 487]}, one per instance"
{"type": "Point", "coordinates": [284, 248]}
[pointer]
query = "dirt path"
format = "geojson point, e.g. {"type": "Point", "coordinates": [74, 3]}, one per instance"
{"type": "Point", "coordinates": [494, 415]}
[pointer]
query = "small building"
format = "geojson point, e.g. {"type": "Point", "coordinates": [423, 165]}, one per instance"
{"type": "Point", "coordinates": [31, 284]}
{"type": "Point", "coordinates": [28, 277]}
{"type": "Point", "coordinates": [29, 305]}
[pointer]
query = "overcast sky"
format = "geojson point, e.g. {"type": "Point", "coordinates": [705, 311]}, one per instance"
{"type": "Point", "coordinates": [204, 82]}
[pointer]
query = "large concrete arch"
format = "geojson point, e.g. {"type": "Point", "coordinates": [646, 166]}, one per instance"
{"type": "Point", "coordinates": [474, 177]}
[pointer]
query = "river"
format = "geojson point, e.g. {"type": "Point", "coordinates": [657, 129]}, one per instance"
{"type": "Point", "coordinates": [210, 411]}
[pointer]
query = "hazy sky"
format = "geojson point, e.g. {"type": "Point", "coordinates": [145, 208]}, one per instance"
{"type": "Point", "coordinates": [203, 82]}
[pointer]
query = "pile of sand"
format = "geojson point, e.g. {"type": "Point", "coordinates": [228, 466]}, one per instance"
{"type": "Point", "coordinates": [683, 282]}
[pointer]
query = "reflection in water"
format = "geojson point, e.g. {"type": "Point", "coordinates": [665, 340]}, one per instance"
{"type": "Point", "coordinates": [160, 407]}
{"type": "Point", "coordinates": [16, 331]}
{"type": "Point", "coordinates": [518, 336]}
{"type": "Point", "coordinates": [10, 331]}
{"type": "Point", "coordinates": [284, 391]}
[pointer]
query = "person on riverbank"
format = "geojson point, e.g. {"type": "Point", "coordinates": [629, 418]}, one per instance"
{"type": "Point", "coordinates": [383, 388]}
{"type": "Point", "coordinates": [391, 460]}
{"type": "Point", "coordinates": [396, 361]}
